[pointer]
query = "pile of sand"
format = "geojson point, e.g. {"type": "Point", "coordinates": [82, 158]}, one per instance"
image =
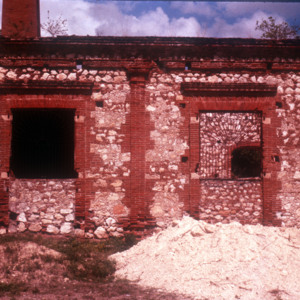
{"type": "Point", "coordinates": [222, 261]}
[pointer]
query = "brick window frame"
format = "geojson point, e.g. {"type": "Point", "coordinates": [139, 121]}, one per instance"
{"type": "Point", "coordinates": [233, 97]}
{"type": "Point", "coordinates": [41, 94]}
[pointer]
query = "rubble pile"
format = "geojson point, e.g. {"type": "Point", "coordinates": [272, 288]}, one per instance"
{"type": "Point", "coordinates": [221, 261]}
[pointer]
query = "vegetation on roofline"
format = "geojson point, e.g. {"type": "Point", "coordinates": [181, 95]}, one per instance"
{"type": "Point", "coordinates": [278, 31]}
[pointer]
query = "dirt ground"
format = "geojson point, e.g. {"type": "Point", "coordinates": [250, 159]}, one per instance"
{"type": "Point", "coordinates": [118, 290]}
{"type": "Point", "coordinates": [30, 271]}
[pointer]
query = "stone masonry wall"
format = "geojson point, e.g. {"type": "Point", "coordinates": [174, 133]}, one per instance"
{"type": "Point", "coordinates": [165, 157]}
{"type": "Point", "coordinates": [42, 205]}
{"type": "Point", "coordinates": [231, 200]}
{"type": "Point", "coordinates": [165, 112]}
{"type": "Point", "coordinates": [48, 205]}
{"type": "Point", "coordinates": [110, 168]}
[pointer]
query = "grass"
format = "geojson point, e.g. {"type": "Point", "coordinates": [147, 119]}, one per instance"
{"type": "Point", "coordinates": [13, 288]}
{"type": "Point", "coordinates": [85, 260]}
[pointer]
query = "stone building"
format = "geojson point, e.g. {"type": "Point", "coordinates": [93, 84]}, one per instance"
{"type": "Point", "coordinates": [105, 135]}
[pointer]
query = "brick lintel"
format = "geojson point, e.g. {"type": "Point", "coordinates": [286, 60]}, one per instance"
{"type": "Point", "coordinates": [42, 87]}
{"type": "Point", "coordinates": [225, 89]}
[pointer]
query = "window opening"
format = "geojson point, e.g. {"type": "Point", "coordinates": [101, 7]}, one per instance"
{"type": "Point", "coordinates": [188, 66]}
{"type": "Point", "coordinates": [42, 144]}
{"type": "Point", "coordinates": [246, 162]}
{"type": "Point", "coordinates": [79, 65]}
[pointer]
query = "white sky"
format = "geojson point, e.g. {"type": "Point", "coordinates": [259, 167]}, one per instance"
{"type": "Point", "coordinates": [166, 18]}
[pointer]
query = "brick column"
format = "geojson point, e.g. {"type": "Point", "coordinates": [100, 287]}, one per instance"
{"type": "Point", "coordinates": [139, 129]}
{"type": "Point", "coordinates": [5, 137]}
{"type": "Point", "coordinates": [271, 184]}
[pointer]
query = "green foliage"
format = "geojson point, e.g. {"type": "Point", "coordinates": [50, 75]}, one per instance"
{"type": "Point", "coordinates": [271, 30]}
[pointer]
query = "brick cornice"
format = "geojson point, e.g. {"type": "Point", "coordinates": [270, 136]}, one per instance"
{"type": "Point", "coordinates": [152, 48]}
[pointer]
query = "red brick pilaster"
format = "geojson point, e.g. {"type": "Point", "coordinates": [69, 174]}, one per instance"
{"type": "Point", "coordinates": [139, 128]}
{"type": "Point", "coordinates": [271, 184]}
{"type": "Point", "coordinates": [5, 137]}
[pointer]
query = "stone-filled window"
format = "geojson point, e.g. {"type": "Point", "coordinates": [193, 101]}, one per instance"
{"type": "Point", "coordinates": [246, 162]}
{"type": "Point", "coordinates": [42, 144]}
{"type": "Point", "coordinates": [220, 133]}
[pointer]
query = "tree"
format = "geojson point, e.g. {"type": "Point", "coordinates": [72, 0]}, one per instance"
{"type": "Point", "coordinates": [280, 31]}
{"type": "Point", "coordinates": [55, 27]}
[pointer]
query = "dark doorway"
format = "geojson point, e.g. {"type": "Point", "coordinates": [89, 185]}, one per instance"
{"type": "Point", "coordinates": [42, 144]}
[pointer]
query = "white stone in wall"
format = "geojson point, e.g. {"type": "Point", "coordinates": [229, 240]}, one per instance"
{"type": "Point", "coordinates": [297, 175]}
{"type": "Point", "coordinates": [115, 234]}
{"type": "Point", "coordinates": [66, 211]}
{"type": "Point", "coordinates": [2, 231]}
{"type": "Point", "coordinates": [119, 79]}
{"type": "Point", "coordinates": [110, 221]}
{"type": "Point", "coordinates": [52, 229]}
{"type": "Point", "coordinates": [47, 221]}
{"type": "Point", "coordinates": [151, 108]}
{"type": "Point", "coordinates": [35, 227]}
{"type": "Point", "coordinates": [58, 216]}
{"type": "Point", "coordinates": [72, 76]}
{"type": "Point", "coordinates": [3, 70]}
{"type": "Point", "coordinates": [173, 167]}
{"type": "Point", "coordinates": [260, 79]}
{"type": "Point", "coordinates": [125, 157]}
{"type": "Point", "coordinates": [11, 75]}
{"type": "Point", "coordinates": [79, 233]}
{"type": "Point", "coordinates": [45, 76]}
{"type": "Point", "coordinates": [280, 90]}
{"type": "Point", "coordinates": [93, 72]}
{"type": "Point", "coordinates": [61, 76]}
{"type": "Point", "coordinates": [21, 217]}
{"type": "Point", "coordinates": [66, 228]}
{"type": "Point", "coordinates": [88, 235]}
{"type": "Point", "coordinates": [107, 78]}
{"type": "Point", "coordinates": [289, 90]}
{"type": "Point", "coordinates": [100, 233]}
{"type": "Point", "coordinates": [70, 217]}
{"type": "Point", "coordinates": [117, 183]}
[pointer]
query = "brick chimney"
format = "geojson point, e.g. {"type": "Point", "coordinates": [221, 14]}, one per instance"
{"type": "Point", "coordinates": [21, 19]}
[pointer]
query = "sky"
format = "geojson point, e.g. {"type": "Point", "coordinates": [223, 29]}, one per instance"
{"type": "Point", "coordinates": [166, 18]}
